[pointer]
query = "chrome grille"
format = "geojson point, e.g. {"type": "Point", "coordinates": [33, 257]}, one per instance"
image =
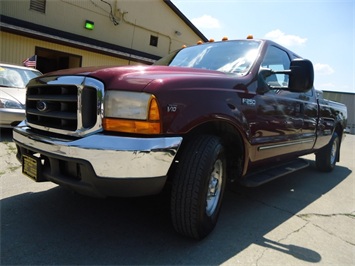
{"type": "Point", "coordinates": [53, 106]}
{"type": "Point", "coordinates": [57, 105]}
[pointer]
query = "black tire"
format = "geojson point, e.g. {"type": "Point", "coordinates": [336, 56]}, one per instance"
{"type": "Point", "coordinates": [327, 157]}
{"type": "Point", "coordinates": [198, 187]}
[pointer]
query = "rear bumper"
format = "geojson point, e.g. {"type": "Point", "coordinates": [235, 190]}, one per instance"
{"type": "Point", "coordinates": [101, 164]}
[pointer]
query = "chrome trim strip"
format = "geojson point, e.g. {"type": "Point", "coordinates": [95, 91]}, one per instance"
{"type": "Point", "coordinates": [110, 156]}
{"type": "Point", "coordinates": [268, 147]}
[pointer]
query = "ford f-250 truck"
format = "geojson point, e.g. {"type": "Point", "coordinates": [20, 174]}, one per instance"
{"type": "Point", "coordinates": [197, 120]}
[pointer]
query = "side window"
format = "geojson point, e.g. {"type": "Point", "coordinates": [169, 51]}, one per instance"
{"type": "Point", "coordinates": [276, 59]}
{"type": "Point", "coordinates": [309, 93]}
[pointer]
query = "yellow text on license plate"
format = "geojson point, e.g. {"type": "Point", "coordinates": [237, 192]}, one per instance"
{"type": "Point", "coordinates": [30, 166]}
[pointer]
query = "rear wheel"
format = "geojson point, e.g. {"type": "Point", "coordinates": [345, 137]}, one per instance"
{"type": "Point", "coordinates": [327, 157]}
{"type": "Point", "coordinates": [198, 187]}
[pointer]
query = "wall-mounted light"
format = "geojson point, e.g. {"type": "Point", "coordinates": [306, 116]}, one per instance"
{"type": "Point", "coordinates": [89, 25]}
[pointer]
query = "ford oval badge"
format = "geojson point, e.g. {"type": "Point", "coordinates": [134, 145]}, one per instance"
{"type": "Point", "coordinates": [41, 106]}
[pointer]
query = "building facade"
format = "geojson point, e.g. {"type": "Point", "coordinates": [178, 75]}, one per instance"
{"type": "Point", "coordinates": [349, 100]}
{"type": "Point", "coordinates": [78, 33]}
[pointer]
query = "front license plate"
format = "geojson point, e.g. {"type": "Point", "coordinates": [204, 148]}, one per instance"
{"type": "Point", "coordinates": [31, 166]}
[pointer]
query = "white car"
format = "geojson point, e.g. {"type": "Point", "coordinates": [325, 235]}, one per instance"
{"type": "Point", "coordinates": [13, 81]}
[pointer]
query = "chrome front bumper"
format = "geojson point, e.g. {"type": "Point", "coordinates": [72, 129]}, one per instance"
{"type": "Point", "coordinates": [111, 157]}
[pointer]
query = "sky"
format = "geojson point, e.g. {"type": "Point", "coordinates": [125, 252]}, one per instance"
{"type": "Point", "coordinates": [322, 31]}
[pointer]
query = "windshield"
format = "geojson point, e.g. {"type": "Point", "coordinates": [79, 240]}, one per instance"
{"type": "Point", "coordinates": [16, 77]}
{"type": "Point", "coordinates": [228, 56]}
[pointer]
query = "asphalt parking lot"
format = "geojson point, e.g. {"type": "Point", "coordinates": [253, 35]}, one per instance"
{"type": "Point", "coordinates": [305, 218]}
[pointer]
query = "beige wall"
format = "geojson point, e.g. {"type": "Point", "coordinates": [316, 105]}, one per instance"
{"type": "Point", "coordinates": [15, 48]}
{"type": "Point", "coordinates": [138, 20]}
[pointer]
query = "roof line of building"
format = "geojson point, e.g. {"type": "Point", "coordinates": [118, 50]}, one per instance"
{"type": "Point", "coordinates": [340, 92]}
{"type": "Point", "coordinates": [26, 28]}
{"type": "Point", "coordinates": [186, 20]}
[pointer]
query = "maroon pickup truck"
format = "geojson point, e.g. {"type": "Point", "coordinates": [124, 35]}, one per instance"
{"type": "Point", "coordinates": [205, 116]}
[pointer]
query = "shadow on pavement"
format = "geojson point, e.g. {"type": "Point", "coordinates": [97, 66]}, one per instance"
{"type": "Point", "coordinates": [5, 134]}
{"type": "Point", "coordinates": [60, 227]}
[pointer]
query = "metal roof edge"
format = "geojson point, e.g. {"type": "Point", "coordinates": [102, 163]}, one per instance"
{"type": "Point", "coordinates": [342, 92]}
{"type": "Point", "coordinates": [186, 20]}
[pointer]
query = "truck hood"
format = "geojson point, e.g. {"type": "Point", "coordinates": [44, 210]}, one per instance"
{"type": "Point", "coordinates": [136, 78]}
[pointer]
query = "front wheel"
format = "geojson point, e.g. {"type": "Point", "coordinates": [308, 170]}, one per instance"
{"type": "Point", "coordinates": [327, 157]}
{"type": "Point", "coordinates": [198, 187]}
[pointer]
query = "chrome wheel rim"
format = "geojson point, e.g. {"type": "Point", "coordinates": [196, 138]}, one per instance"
{"type": "Point", "coordinates": [214, 188]}
{"type": "Point", "coordinates": [333, 152]}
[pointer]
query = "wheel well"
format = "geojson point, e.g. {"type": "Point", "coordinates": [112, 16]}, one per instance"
{"type": "Point", "coordinates": [232, 142]}
{"type": "Point", "coordinates": [340, 131]}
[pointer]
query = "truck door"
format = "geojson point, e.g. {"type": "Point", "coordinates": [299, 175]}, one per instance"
{"type": "Point", "coordinates": [276, 128]}
{"type": "Point", "coordinates": [310, 118]}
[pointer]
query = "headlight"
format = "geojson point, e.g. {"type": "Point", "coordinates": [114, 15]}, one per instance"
{"type": "Point", "coordinates": [6, 103]}
{"type": "Point", "coordinates": [132, 112]}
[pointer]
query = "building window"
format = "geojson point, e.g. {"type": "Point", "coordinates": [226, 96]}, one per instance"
{"type": "Point", "coordinates": [38, 5]}
{"type": "Point", "coordinates": [153, 41]}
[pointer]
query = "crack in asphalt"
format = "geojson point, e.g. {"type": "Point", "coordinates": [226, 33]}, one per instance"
{"type": "Point", "coordinates": [309, 215]}
{"type": "Point", "coordinates": [284, 238]}
{"type": "Point", "coordinates": [304, 217]}
{"type": "Point", "coordinates": [289, 249]}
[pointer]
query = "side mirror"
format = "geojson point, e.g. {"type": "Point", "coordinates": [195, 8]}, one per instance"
{"type": "Point", "coordinates": [301, 76]}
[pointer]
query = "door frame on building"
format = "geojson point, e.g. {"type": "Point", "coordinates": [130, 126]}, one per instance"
{"type": "Point", "coordinates": [50, 60]}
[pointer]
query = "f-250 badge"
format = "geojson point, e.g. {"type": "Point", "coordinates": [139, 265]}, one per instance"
{"type": "Point", "coordinates": [249, 102]}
